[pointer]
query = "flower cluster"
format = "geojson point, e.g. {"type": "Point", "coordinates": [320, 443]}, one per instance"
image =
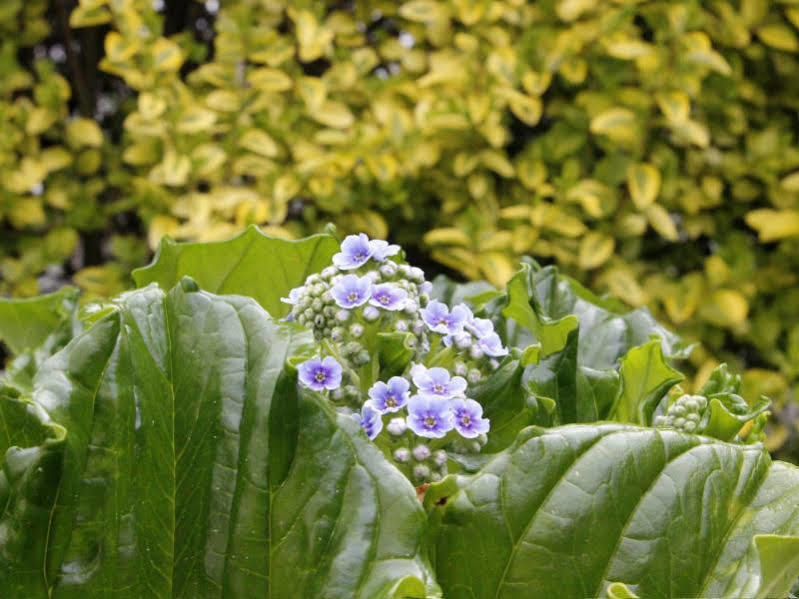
{"type": "Point", "coordinates": [424, 408]}
{"type": "Point", "coordinates": [474, 340]}
{"type": "Point", "coordinates": [363, 288]}
{"type": "Point", "coordinates": [684, 414]}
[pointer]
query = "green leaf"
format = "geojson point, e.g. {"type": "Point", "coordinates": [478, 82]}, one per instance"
{"type": "Point", "coordinates": [581, 394]}
{"type": "Point", "coordinates": [521, 306]}
{"type": "Point", "coordinates": [576, 511]}
{"type": "Point", "coordinates": [252, 264]}
{"type": "Point", "coordinates": [508, 405]}
{"type": "Point", "coordinates": [26, 323]}
{"type": "Point", "coordinates": [645, 379]}
{"type": "Point", "coordinates": [550, 305]}
{"type": "Point", "coordinates": [181, 462]}
{"type": "Point", "coordinates": [779, 561]}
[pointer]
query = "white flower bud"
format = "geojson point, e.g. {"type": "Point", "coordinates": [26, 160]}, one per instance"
{"type": "Point", "coordinates": [421, 471]}
{"type": "Point", "coordinates": [425, 287]}
{"type": "Point", "coordinates": [337, 394]}
{"type": "Point", "coordinates": [402, 455]}
{"type": "Point", "coordinates": [460, 369]}
{"type": "Point", "coordinates": [440, 457]}
{"type": "Point", "coordinates": [401, 325]}
{"type": "Point", "coordinates": [416, 274]}
{"type": "Point", "coordinates": [371, 313]}
{"type": "Point", "coordinates": [417, 327]}
{"type": "Point", "coordinates": [374, 275]}
{"type": "Point", "coordinates": [351, 391]}
{"type": "Point", "coordinates": [312, 279]}
{"type": "Point", "coordinates": [363, 358]}
{"type": "Point", "coordinates": [679, 422]}
{"type": "Point", "coordinates": [475, 352]}
{"type": "Point", "coordinates": [336, 333]}
{"type": "Point", "coordinates": [396, 427]}
{"type": "Point", "coordinates": [411, 307]}
{"type": "Point", "coordinates": [435, 477]}
{"type": "Point", "coordinates": [328, 272]}
{"type": "Point", "coordinates": [493, 364]}
{"type": "Point", "coordinates": [474, 376]}
{"type": "Point", "coordinates": [405, 270]}
{"type": "Point", "coordinates": [356, 330]}
{"type": "Point", "coordinates": [309, 314]}
{"type": "Point", "coordinates": [660, 421]}
{"type": "Point", "coordinates": [689, 426]}
{"type": "Point", "coordinates": [421, 452]}
{"type": "Point", "coordinates": [388, 268]}
{"type": "Point", "coordinates": [319, 321]}
{"type": "Point", "coordinates": [463, 341]}
{"type": "Point", "coordinates": [317, 305]}
{"type": "Point", "coordinates": [343, 315]}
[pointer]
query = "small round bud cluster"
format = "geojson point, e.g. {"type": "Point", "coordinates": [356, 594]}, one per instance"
{"type": "Point", "coordinates": [684, 414]}
{"type": "Point", "coordinates": [339, 304]}
{"type": "Point", "coordinates": [470, 445]}
{"type": "Point", "coordinates": [426, 465]}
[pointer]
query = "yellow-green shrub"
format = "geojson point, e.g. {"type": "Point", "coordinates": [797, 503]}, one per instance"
{"type": "Point", "coordinates": [642, 146]}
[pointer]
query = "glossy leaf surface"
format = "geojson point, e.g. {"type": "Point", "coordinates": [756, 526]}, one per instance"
{"type": "Point", "coordinates": [567, 512]}
{"type": "Point", "coordinates": [166, 453]}
{"type": "Point", "coordinates": [253, 264]}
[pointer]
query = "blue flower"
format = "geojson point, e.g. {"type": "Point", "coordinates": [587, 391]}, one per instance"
{"type": "Point", "coordinates": [480, 327]}
{"type": "Point", "coordinates": [429, 416]}
{"type": "Point", "coordinates": [438, 318]}
{"type": "Point", "coordinates": [382, 250]}
{"type": "Point", "coordinates": [491, 345]}
{"type": "Point", "coordinates": [294, 296]}
{"type": "Point", "coordinates": [355, 252]}
{"type": "Point", "coordinates": [371, 421]}
{"type": "Point", "coordinates": [390, 397]}
{"type": "Point", "coordinates": [468, 418]}
{"type": "Point", "coordinates": [436, 382]}
{"type": "Point", "coordinates": [320, 374]}
{"type": "Point", "coordinates": [388, 297]}
{"type": "Point", "coordinates": [351, 291]}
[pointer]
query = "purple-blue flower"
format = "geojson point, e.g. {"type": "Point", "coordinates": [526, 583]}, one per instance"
{"type": "Point", "coordinates": [491, 345]}
{"type": "Point", "coordinates": [468, 418]}
{"type": "Point", "coordinates": [371, 421]}
{"type": "Point", "coordinates": [391, 396]}
{"type": "Point", "coordinates": [351, 291]}
{"type": "Point", "coordinates": [355, 252]}
{"type": "Point", "coordinates": [319, 374]}
{"type": "Point", "coordinates": [429, 416]}
{"type": "Point", "coordinates": [480, 327]}
{"type": "Point", "coordinates": [382, 250]}
{"type": "Point", "coordinates": [437, 382]}
{"type": "Point", "coordinates": [438, 318]}
{"type": "Point", "coordinates": [294, 296]}
{"type": "Point", "coordinates": [388, 297]}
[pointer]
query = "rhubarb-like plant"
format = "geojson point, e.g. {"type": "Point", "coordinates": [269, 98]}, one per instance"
{"type": "Point", "coordinates": [266, 418]}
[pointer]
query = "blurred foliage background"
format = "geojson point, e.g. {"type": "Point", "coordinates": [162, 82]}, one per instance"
{"type": "Point", "coordinates": [649, 148]}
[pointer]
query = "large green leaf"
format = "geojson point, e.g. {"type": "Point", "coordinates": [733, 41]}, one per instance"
{"type": "Point", "coordinates": [169, 455]}
{"type": "Point", "coordinates": [26, 323]}
{"type": "Point", "coordinates": [550, 305]}
{"type": "Point", "coordinates": [253, 264]}
{"type": "Point", "coordinates": [566, 512]}
{"type": "Point", "coordinates": [645, 379]}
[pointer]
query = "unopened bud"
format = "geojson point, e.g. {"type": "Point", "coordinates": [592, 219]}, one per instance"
{"type": "Point", "coordinates": [421, 452]}
{"type": "Point", "coordinates": [371, 313]}
{"type": "Point", "coordinates": [402, 455]}
{"type": "Point", "coordinates": [356, 330]}
{"type": "Point", "coordinates": [396, 427]}
{"type": "Point", "coordinates": [421, 471]}
{"type": "Point", "coordinates": [476, 353]}
{"type": "Point", "coordinates": [440, 457]}
{"type": "Point", "coordinates": [474, 376]}
{"type": "Point", "coordinates": [460, 369]}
